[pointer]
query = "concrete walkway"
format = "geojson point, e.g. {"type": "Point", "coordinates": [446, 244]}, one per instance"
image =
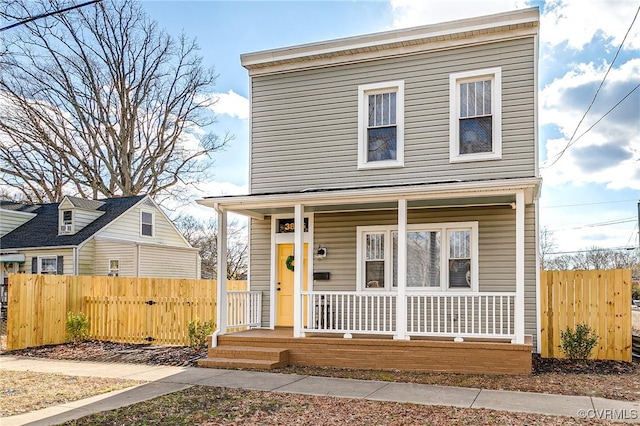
{"type": "Point", "coordinates": [163, 380]}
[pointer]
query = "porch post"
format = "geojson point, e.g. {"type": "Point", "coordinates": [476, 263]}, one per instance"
{"type": "Point", "coordinates": [519, 302]}
{"type": "Point", "coordinates": [401, 302]}
{"type": "Point", "coordinates": [221, 315]}
{"type": "Point", "coordinates": [298, 272]}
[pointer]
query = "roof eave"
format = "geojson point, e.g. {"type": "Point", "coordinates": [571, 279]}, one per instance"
{"type": "Point", "coordinates": [376, 44]}
{"type": "Point", "coordinates": [246, 204]}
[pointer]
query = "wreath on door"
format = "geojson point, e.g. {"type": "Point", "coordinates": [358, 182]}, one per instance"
{"type": "Point", "coordinates": [289, 263]}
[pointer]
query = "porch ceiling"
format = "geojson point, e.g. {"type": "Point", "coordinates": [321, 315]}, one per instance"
{"type": "Point", "coordinates": [430, 195]}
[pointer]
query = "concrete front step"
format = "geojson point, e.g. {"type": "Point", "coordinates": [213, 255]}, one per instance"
{"type": "Point", "coordinates": [245, 357]}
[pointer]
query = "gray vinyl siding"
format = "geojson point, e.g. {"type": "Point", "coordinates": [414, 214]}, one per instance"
{"type": "Point", "coordinates": [125, 253]}
{"type": "Point", "coordinates": [11, 220]}
{"type": "Point", "coordinates": [168, 262]}
{"type": "Point", "coordinates": [86, 258]}
{"type": "Point", "coordinates": [309, 118]}
{"type": "Point", "coordinates": [127, 227]}
{"type": "Point", "coordinates": [66, 253]}
{"type": "Point", "coordinates": [337, 232]}
{"type": "Point", "coordinates": [260, 262]}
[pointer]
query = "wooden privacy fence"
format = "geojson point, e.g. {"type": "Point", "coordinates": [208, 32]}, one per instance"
{"type": "Point", "coordinates": [121, 309]}
{"type": "Point", "coordinates": [599, 298]}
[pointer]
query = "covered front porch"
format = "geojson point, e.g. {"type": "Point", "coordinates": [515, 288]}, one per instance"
{"type": "Point", "coordinates": [268, 349]}
{"type": "Point", "coordinates": [423, 315]}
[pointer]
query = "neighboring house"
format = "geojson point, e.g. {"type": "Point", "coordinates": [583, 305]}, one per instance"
{"type": "Point", "coordinates": [123, 236]}
{"type": "Point", "coordinates": [402, 167]}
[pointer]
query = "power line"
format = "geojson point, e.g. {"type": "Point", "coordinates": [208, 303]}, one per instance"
{"type": "Point", "coordinates": [597, 224]}
{"type": "Point", "coordinates": [44, 15]}
{"type": "Point", "coordinates": [593, 249]}
{"type": "Point", "coordinates": [571, 139]}
{"type": "Point", "coordinates": [586, 204]}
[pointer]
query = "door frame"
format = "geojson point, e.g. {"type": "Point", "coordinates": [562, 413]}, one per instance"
{"type": "Point", "coordinates": [277, 238]}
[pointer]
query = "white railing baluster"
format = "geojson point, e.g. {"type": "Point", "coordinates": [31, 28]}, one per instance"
{"type": "Point", "coordinates": [483, 315]}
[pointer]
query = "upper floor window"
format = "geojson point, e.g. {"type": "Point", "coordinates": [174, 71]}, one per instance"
{"type": "Point", "coordinates": [381, 125]}
{"type": "Point", "coordinates": [147, 223]}
{"type": "Point", "coordinates": [475, 115]}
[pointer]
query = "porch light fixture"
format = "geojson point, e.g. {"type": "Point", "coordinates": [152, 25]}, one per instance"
{"type": "Point", "coordinates": [321, 253]}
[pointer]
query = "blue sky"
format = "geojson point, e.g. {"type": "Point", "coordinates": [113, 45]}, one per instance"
{"type": "Point", "coordinates": [589, 195]}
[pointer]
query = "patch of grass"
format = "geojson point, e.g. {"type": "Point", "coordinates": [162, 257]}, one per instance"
{"type": "Point", "coordinates": [24, 391]}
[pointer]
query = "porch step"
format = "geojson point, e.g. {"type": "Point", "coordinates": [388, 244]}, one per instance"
{"type": "Point", "coordinates": [239, 363]}
{"type": "Point", "coordinates": [245, 357]}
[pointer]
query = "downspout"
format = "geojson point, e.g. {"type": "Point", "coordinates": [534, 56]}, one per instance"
{"type": "Point", "coordinates": [75, 260]}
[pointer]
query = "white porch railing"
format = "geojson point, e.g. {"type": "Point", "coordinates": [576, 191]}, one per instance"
{"type": "Point", "coordinates": [349, 312]}
{"type": "Point", "coordinates": [460, 315]}
{"type": "Point", "coordinates": [244, 308]}
{"type": "Point", "coordinates": [457, 315]}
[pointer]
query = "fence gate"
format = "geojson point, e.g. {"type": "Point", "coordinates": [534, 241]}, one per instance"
{"type": "Point", "coordinates": [159, 320]}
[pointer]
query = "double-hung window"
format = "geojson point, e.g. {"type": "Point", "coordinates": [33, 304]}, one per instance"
{"type": "Point", "coordinates": [441, 257]}
{"type": "Point", "coordinates": [114, 267]}
{"type": "Point", "coordinates": [147, 223]}
{"type": "Point", "coordinates": [475, 115]}
{"type": "Point", "coordinates": [381, 125]}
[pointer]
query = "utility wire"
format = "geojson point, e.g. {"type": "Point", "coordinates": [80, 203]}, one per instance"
{"type": "Point", "coordinates": [595, 225]}
{"type": "Point", "coordinates": [44, 15]}
{"type": "Point", "coordinates": [586, 204]}
{"type": "Point", "coordinates": [597, 248]}
{"type": "Point", "coordinates": [571, 140]}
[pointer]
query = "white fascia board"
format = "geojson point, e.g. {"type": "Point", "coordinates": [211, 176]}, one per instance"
{"type": "Point", "coordinates": [407, 35]}
{"type": "Point", "coordinates": [244, 203]}
{"type": "Point", "coordinates": [21, 249]}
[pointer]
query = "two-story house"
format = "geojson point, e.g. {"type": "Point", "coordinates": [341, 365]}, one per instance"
{"type": "Point", "coordinates": [401, 168]}
{"type": "Point", "coordinates": [122, 236]}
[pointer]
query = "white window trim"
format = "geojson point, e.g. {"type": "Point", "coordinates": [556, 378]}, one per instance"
{"type": "Point", "coordinates": [444, 228]}
{"type": "Point", "coordinates": [495, 74]}
{"type": "Point", "coordinates": [153, 223]}
{"type": "Point", "coordinates": [109, 267]}
{"type": "Point", "coordinates": [41, 258]}
{"type": "Point", "coordinates": [363, 91]}
{"type": "Point", "coordinates": [62, 222]}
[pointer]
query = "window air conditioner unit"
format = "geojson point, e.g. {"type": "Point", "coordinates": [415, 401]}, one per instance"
{"type": "Point", "coordinates": [65, 228]}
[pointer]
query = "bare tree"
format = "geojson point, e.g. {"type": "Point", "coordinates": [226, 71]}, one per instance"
{"type": "Point", "coordinates": [546, 245]}
{"type": "Point", "coordinates": [203, 235]}
{"type": "Point", "coordinates": [99, 101]}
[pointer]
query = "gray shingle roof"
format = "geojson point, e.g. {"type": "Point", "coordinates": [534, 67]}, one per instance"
{"type": "Point", "coordinates": [42, 230]}
{"type": "Point", "coordinates": [82, 203]}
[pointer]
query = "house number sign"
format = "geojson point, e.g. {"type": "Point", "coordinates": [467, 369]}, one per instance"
{"type": "Point", "coordinates": [286, 226]}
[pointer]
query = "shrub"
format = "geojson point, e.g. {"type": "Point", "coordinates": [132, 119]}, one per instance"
{"type": "Point", "coordinates": [635, 292]}
{"type": "Point", "coordinates": [77, 327]}
{"type": "Point", "coordinates": [578, 344]}
{"type": "Point", "coordinates": [198, 332]}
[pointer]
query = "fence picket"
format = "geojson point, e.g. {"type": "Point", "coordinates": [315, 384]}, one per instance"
{"type": "Point", "coordinates": [116, 307]}
{"type": "Point", "coordinates": [599, 298]}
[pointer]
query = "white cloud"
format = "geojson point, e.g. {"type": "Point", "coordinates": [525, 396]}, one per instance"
{"type": "Point", "coordinates": [609, 153]}
{"type": "Point", "coordinates": [578, 21]}
{"type": "Point", "coordinates": [231, 104]}
{"type": "Point", "coordinates": [410, 13]}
